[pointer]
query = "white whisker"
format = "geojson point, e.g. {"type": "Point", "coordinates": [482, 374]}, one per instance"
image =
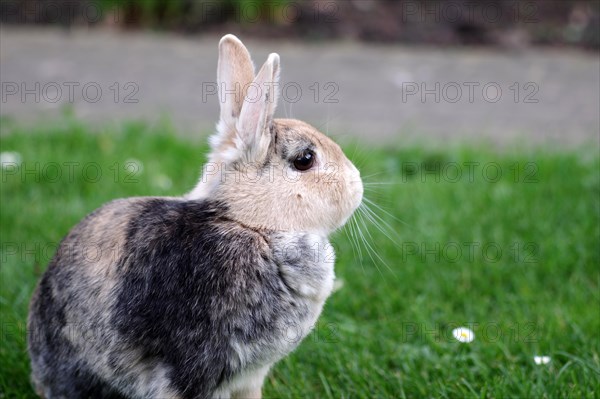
{"type": "Point", "coordinates": [384, 211]}
{"type": "Point", "coordinates": [372, 175]}
{"type": "Point", "coordinates": [353, 232]}
{"type": "Point", "coordinates": [353, 243]}
{"type": "Point", "coordinates": [380, 183]}
{"type": "Point", "coordinates": [365, 242]}
{"type": "Point", "coordinates": [355, 229]}
{"type": "Point", "coordinates": [371, 249]}
{"type": "Point", "coordinates": [369, 214]}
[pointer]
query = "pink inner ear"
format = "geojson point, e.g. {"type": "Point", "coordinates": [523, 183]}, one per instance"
{"type": "Point", "coordinates": [234, 72]}
{"type": "Point", "coordinates": [259, 105]}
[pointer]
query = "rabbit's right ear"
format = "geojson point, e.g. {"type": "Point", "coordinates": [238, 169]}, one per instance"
{"type": "Point", "coordinates": [235, 72]}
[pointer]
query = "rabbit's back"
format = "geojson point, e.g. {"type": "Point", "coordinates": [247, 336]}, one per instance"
{"type": "Point", "coordinates": [159, 297]}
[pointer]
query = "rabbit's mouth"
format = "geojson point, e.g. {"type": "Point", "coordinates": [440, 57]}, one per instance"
{"type": "Point", "coordinates": [354, 200]}
{"type": "Point", "coordinates": [358, 190]}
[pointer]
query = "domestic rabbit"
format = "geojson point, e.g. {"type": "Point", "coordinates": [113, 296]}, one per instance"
{"type": "Point", "coordinates": [198, 296]}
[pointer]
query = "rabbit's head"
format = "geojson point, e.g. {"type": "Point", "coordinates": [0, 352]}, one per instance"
{"type": "Point", "coordinates": [279, 174]}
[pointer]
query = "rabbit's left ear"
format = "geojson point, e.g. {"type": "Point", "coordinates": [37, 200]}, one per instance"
{"type": "Point", "coordinates": [256, 116]}
{"type": "Point", "coordinates": [235, 72]}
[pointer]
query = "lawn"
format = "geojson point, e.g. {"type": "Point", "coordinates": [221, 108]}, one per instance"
{"type": "Point", "coordinates": [502, 241]}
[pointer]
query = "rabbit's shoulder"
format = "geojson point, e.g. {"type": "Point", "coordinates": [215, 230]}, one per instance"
{"type": "Point", "coordinates": [194, 234]}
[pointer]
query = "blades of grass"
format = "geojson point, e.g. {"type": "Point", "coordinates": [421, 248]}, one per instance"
{"type": "Point", "coordinates": [325, 385]}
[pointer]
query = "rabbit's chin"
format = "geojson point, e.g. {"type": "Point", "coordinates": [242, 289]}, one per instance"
{"type": "Point", "coordinates": [355, 202]}
{"type": "Point", "coordinates": [340, 225]}
{"type": "Point", "coordinates": [343, 223]}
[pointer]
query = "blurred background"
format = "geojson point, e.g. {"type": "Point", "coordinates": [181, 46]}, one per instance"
{"type": "Point", "coordinates": [506, 23]}
{"type": "Point", "coordinates": [503, 70]}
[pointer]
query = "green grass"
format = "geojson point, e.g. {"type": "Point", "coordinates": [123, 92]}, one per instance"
{"type": "Point", "coordinates": [387, 331]}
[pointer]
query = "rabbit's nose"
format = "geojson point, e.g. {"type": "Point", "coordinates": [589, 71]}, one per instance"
{"type": "Point", "coordinates": [355, 173]}
{"type": "Point", "coordinates": [356, 184]}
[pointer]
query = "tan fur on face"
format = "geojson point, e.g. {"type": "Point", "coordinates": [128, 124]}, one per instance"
{"type": "Point", "coordinates": [279, 198]}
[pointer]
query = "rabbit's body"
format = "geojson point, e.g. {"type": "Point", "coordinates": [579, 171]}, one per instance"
{"type": "Point", "coordinates": [196, 297]}
{"type": "Point", "coordinates": [151, 318]}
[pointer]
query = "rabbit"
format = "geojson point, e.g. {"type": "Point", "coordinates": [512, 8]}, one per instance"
{"type": "Point", "coordinates": [198, 296]}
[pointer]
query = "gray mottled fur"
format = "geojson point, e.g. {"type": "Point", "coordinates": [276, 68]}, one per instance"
{"type": "Point", "coordinates": [168, 298]}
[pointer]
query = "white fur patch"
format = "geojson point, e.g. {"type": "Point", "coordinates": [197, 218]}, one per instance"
{"type": "Point", "coordinates": [247, 384]}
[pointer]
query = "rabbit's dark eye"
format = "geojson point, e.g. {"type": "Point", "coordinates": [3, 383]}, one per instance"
{"type": "Point", "coordinates": [305, 160]}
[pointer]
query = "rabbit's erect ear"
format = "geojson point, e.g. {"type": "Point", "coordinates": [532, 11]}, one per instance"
{"type": "Point", "coordinates": [235, 72]}
{"type": "Point", "coordinates": [256, 116]}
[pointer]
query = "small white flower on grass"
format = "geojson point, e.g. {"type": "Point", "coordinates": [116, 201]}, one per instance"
{"type": "Point", "coordinates": [135, 166]}
{"type": "Point", "coordinates": [541, 359]}
{"type": "Point", "coordinates": [463, 334]}
{"type": "Point", "coordinates": [163, 182]}
{"type": "Point", "coordinates": [9, 158]}
{"type": "Point", "coordinates": [338, 284]}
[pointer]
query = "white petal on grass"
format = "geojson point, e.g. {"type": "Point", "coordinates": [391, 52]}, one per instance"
{"type": "Point", "coordinates": [463, 334]}
{"type": "Point", "coordinates": [9, 158]}
{"type": "Point", "coordinates": [163, 182]}
{"type": "Point", "coordinates": [135, 166]}
{"type": "Point", "coordinates": [541, 359]}
{"type": "Point", "coordinates": [338, 284]}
